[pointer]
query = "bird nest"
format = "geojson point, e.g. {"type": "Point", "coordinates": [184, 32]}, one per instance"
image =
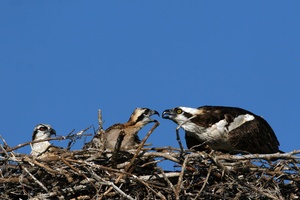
{"type": "Point", "coordinates": [134, 174]}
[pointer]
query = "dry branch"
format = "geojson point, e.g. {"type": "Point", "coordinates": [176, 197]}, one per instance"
{"type": "Point", "coordinates": [73, 137]}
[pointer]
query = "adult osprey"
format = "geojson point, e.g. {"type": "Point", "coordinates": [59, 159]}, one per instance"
{"type": "Point", "coordinates": [228, 129]}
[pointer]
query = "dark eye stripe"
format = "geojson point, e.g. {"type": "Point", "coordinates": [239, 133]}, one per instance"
{"type": "Point", "coordinates": [146, 111]}
{"type": "Point", "coordinates": [187, 115]}
{"type": "Point", "coordinates": [140, 118]}
{"type": "Point", "coordinates": [43, 128]}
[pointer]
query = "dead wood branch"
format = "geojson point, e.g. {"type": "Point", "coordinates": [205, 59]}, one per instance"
{"type": "Point", "coordinates": [69, 137]}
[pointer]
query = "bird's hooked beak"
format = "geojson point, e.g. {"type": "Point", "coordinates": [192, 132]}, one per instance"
{"type": "Point", "coordinates": [154, 112]}
{"type": "Point", "coordinates": [52, 132]}
{"type": "Point", "coordinates": [168, 114]}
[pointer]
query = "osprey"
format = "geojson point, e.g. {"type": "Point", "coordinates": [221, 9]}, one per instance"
{"type": "Point", "coordinates": [138, 119]}
{"type": "Point", "coordinates": [43, 149]}
{"type": "Point", "coordinates": [228, 129]}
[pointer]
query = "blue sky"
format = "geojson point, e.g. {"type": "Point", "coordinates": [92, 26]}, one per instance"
{"type": "Point", "coordinates": [61, 61]}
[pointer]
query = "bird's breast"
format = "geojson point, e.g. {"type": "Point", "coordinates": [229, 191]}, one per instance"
{"type": "Point", "coordinates": [39, 147]}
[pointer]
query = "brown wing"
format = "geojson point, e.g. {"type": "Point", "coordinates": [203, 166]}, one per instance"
{"type": "Point", "coordinates": [112, 133]}
{"type": "Point", "coordinates": [108, 138]}
{"type": "Point", "coordinates": [111, 137]}
{"type": "Point", "coordinates": [255, 136]}
{"type": "Point", "coordinates": [115, 126]}
{"type": "Point", "coordinates": [55, 149]}
{"type": "Point", "coordinates": [130, 140]}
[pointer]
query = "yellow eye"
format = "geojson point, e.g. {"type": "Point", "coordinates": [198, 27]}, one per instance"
{"type": "Point", "coordinates": [178, 111]}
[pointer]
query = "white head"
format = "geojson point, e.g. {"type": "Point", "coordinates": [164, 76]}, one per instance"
{"type": "Point", "coordinates": [180, 114]}
{"type": "Point", "coordinates": [42, 131]}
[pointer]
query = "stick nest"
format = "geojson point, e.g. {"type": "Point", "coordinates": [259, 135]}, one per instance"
{"type": "Point", "coordinates": [98, 174]}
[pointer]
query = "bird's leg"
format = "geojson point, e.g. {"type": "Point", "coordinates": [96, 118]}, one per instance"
{"type": "Point", "coordinates": [178, 137]}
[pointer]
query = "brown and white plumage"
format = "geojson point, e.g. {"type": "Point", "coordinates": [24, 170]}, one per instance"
{"type": "Point", "coordinates": [138, 119]}
{"type": "Point", "coordinates": [43, 149]}
{"type": "Point", "coordinates": [224, 128]}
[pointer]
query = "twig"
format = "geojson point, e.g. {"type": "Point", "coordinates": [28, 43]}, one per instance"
{"type": "Point", "coordinates": [64, 191]}
{"type": "Point", "coordinates": [35, 179]}
{"type": "Point", "coordinates": [205, 182]}
{"type": "Point", "coordinates": [3, 149]}
{"type": "Point", "coordinates": [78, 171]}
{"type": "Point", "coordinates": [13, 180]}
{"type": "Point", "coordinates": [179, 141]}
{"type": "Point", "coordinates": [160, 176]}
{"type": "Point", "coordinates": [75, 136]}
{"type": "Point", "coordinates": [168, 156]}
{"type": "Point", "coordinates": [168, 181]}
{"type": "Point", "coordinates": [127, 168]}
{"type": "Point", "coordinates": [71, 133]}
{"type": "Point", "coordinates": [100, 121]}
{"type": "Point", "coordinates": [178, 136]}
{"type": "Point", "coordinates": [261, 156]}
{"type": "Point", "coordinates": [260, 191]}
{"type": "Point", "coordinates": [43, 140]}
{"type": "Point", "coordinates": [158, 194]}
{"type": "Point", "coordinates": [215, 159]}
{"type": "Point", "coordinates": [26, 170]}
{"type": "Point", "coordinates": [48, 169]}
{"type": "Point", "coordinates": [117, 148]}
{"type": "Point", "coordinates": [4, 142]}
{"type": "Point", "coordinates": [100, 129]}
{"type": "Point", "coordinates": [104, 182]}
{"type": "Point", "coordinates": [179, 183]}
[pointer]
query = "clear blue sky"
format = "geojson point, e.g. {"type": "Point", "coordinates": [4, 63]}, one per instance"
{"type": "Point", "coordinates": [61, 61]}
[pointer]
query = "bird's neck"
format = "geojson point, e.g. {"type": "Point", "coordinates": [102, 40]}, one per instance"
{"type": "Point", "coordinates": [134, 126]}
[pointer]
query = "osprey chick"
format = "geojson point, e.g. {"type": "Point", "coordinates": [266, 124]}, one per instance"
{"type": "Point", "coordinates": [43, 149]}
{"type": "Point", "coordinates": [224, 128]}
{"type": "Point", "coordinates": [138, 119]}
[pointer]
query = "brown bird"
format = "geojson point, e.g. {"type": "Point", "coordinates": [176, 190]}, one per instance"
{"type": "Point", "coordinates": [138, 119]}
{"type": "Point", "coordinates": [45, 148]}
{"type": "Point", "coordinates": [228, 129]}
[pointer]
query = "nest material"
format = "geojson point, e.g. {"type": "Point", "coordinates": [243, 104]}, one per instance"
{"type": "Point", "coordinates": [134, 174]}
{"type": "Point", "coordinates": [92, 174]}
